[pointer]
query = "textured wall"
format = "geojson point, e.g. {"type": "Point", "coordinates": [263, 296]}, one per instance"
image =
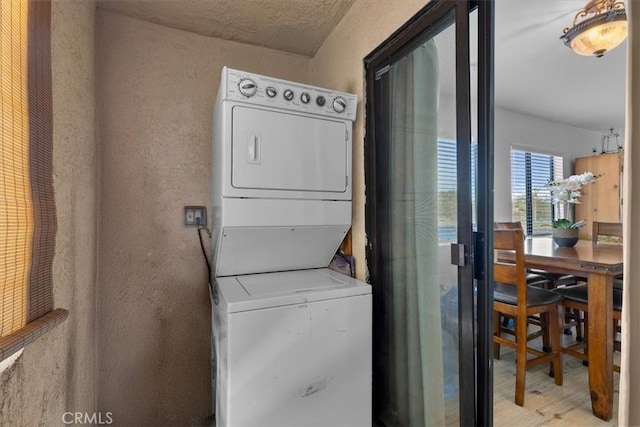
{"type": "Point", "coordinates": [338, 64]}
{"type": "Point", "coordinates": [155, 89]}
{"type": "Point", "coordinates": [56, 373]}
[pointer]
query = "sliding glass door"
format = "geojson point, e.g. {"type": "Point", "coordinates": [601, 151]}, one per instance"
{"type": "Point", "coordinates": [424, 168]}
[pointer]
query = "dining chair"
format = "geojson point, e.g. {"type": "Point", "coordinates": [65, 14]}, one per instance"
{"type": "Point", "coordinates": [576, 298]}
{"type": "Point", "coordinates": [533, 279]}
{"type": "Point", "coordinates": [546, 280]}
{"type": "Point", "coordinates": [512, 297]}
{"type": "Point", "coordinates": [608, 229]}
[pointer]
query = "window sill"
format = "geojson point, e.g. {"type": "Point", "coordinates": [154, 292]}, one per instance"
{"type": "Point", "coordinates": [9, 361]}
{"type": "Point", "coordinates": [15, 342]}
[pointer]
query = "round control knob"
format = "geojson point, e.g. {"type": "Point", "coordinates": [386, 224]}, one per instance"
{"type": "Point", "coordinates": [320, 101]}
{"type": "Point", "coordinates": [339, 104]}
{"type": "Point", "coordinates": [305, 98]}
{"type": "Point", "coordinates": [271, 92]}
{"type": "Point", "coordinates": [288, 94]}
{"type": "Point", "coordinates": [247, 87]}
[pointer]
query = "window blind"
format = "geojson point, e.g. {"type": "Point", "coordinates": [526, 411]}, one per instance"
{"type": "Point", "coordinates": [530, 200]}
{"type": "Point", "coordinates": [16, 210]}
{"type": "Point", "coordinates": [27, 210]}
{"type": "Point", "coordinates": [448, 189]}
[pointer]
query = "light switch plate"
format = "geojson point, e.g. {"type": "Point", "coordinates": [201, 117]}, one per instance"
{"type": "Point", "coordinates": [195, 216]}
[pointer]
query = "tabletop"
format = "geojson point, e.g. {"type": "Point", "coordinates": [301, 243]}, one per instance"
{"type": "Point", "coordinates": [584, 256]}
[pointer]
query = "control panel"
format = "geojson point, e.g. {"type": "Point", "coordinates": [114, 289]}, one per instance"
{"type": "Point", "coordinates": [269, 91]}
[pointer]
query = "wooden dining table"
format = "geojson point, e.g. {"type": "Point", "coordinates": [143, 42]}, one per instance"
{"type": "Point", "coordinates": [599, 264]}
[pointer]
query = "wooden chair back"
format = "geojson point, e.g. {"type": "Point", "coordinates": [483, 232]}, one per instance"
{"type": "Point", "coordinates": [511, 273]}
{"type": "Point", "coordinates": [508, 226]}
{"type": "Point", "coordinates": [608, 229]}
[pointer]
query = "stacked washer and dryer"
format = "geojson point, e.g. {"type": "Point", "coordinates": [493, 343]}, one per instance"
{"type": "Point", "coordinates": [292, 339]}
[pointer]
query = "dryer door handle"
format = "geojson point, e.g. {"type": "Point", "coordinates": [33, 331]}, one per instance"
{"type": "Point", "coordinates": [254, 149]}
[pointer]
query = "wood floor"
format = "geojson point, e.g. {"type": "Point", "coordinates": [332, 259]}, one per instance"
{"type": "Point", "coordinates": [546, 404]}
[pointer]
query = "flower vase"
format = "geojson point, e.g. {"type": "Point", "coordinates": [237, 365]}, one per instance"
{"type": "Point", "coordinates": [565, 237]}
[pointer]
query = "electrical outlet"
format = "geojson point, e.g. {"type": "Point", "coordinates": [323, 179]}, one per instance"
{"type": "Point", "coordinates": [195, 215]}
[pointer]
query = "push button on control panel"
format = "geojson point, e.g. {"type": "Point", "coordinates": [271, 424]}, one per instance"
{"type": "Point", "coordinates": [320, 100]}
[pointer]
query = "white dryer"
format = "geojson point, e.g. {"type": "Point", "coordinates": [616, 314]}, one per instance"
{"type": "Point", "coordinates": [281, 174]}
{"type": "Point", "coordinates": [292, 339]}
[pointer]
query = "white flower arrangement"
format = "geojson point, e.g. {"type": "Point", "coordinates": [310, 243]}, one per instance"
{"type": "Point", "coordinates": [566, 192]}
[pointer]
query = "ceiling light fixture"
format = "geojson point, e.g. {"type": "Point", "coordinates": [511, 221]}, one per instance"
{"type": "Point", "coordinates": [598, 28]}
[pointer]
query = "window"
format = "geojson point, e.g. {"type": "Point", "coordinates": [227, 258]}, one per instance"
{"type": "Point", "coordinates": [447, 189]}
{"type": "Point", "coordinates": [27, 211]}
{"type": "Point", "coordinates": [530, 200]}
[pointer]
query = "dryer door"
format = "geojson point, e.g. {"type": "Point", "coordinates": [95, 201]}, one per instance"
{"type": "Point", "coordinates": [289, 152]}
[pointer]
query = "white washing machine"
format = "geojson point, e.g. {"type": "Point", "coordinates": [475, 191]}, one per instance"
{"type": "Point", "coordinates": [294, 350]}
{"type": "Point", "coordinates": [292, 339]}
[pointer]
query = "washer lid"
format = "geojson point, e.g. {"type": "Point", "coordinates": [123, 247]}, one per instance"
{"type": "Point", "coordinates": [264, 285]}
{"type": "Point", "coordinates": [258, 291]}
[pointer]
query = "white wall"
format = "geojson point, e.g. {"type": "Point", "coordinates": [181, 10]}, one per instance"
{"type": "Point", "coordinates": [543, 136]}
{"type": "Point", "coordinates": [521, 131]}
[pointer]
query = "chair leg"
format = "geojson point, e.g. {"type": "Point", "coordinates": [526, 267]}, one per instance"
{"type": "Point", "coordinates": [521, 358]}
{"type": "Point", "coordinates": [505, 321]}
{"type": "Point", "coordinates": [617, 345]}
{"type": "Point", "coordinates": [579, 325]}
{"type": "Point", "coordinates": [568, 320]}
{"type": "Point", "coordinates": [496, 332]}
{"type": "Point", "coordinates": [555, 320]}
{"type": "Point", "coordinates": [544, 324]}
{"type": "Point", "coordinates": [586, 338]}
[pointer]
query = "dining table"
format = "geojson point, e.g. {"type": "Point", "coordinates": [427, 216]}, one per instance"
{"type": "Point", "coordinates": [599, 264]}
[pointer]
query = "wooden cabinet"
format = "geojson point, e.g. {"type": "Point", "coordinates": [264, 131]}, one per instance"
{"type": "Point", "coordinates": [602, 199]}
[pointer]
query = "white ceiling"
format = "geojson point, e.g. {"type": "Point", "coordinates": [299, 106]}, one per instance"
{"type": "Point", "coordinates": [538, 75]}
{"type": "Point", "coordinates": [535, 73]}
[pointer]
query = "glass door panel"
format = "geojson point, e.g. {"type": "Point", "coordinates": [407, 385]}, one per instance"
{"type": "Point", "coordinates": [422, 211]}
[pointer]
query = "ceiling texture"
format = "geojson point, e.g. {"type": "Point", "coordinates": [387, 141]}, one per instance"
{"type": "Point", "coordinates": [296, 26]}
{"type": "Point", "coordinates": [535, 73]}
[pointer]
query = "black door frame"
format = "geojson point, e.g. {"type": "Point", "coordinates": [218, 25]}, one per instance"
{"type": "Point", "coordinates": [475, 315]}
